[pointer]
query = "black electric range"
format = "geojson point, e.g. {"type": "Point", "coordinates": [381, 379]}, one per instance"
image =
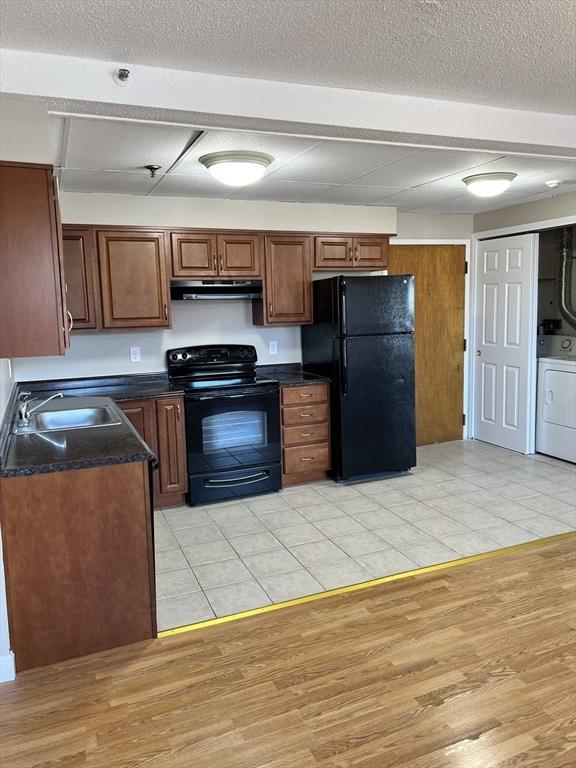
{"type": "Point", "coordinates": [232, 422]}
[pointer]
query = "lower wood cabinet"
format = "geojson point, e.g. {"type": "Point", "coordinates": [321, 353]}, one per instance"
{"type": "Point", "coordinates": [160, 423]}
{"type": "Point", "coordinates": [287, 289]}
{"type": "Point", "coordinates": [79, 561]}
{"type": "Point", "coordinates": [305, 433]}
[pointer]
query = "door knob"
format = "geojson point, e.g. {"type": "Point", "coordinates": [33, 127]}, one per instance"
{"type": "Point", "coordinates": [478, 353]}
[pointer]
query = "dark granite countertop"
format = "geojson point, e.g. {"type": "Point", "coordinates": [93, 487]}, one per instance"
{"type": "Point", "coordinates": [290, 375]}
{"type": "Point", "coordinates": [126, 387]}
{"type": "Point", "coordinates": [56, 451]}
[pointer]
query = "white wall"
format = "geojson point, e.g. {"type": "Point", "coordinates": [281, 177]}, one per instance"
{"type": "Point", "coordinates": [193, 322]}
{"type": "Point", "coordinates": [556, 207]}
{"type": "Point", "coordinates": [417, 226]}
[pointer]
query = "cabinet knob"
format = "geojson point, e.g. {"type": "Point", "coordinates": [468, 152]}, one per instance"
{"type": "Point", "coordinates": [178, 411]}
{"type": "Point", "coordinates": [270, 312]}
{"type": "Point", "coordinates": [221, 262]}
{"type": "Point", "coordinates": [214, 265]}
{"type": "Point", "coordinates": [71, 319]}
{"type": "Point", "coordinates": [350, 254]}
{"type": "Point", "coordinates": [478, 353]}
{"type": "Point", "coordinates": [165, 311]}
{"type": "Point", "coordinates": [307, 459]}
{"type": "Point", "coordinates": [305, 394]}
{"type": "Point", "coordinates": [356, 255]}
{"type": "Point", "coordinates": [306, 434]}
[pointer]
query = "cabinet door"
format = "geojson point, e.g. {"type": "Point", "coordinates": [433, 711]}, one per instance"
{"type": "Point", "coordinates": [32, 300]}
{"type": "Point", "coordinates": [81, 275]}
{"type": "Point", "coordinates": [133, 279]}
{"type": "Point", "coordinates": [287, 281]}
{"type": "Point", "coordinates": [239, 255]}
{"type": "Point", "coordinates": [370, 252]}
{"type": "Point", "coordinates": [171, 444]}
{"type": "Point", "coordinates": [142, 415]}
{"type": "Point", "coordinates": [332, 252]}
{"type": "Point", "coordinates": [194, 254]}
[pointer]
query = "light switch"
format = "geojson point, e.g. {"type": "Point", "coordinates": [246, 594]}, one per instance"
{"type": "Point", "coordinates": [135, 355]}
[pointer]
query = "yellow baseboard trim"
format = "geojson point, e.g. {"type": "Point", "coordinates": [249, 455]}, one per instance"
{"type": "Point", "coordinates": [365, 585]}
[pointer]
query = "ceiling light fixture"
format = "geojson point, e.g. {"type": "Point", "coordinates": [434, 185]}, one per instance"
{"type": "Point", "coordinates": [237, 168]}
{"type": "Point", "coordinates": [489, 184]}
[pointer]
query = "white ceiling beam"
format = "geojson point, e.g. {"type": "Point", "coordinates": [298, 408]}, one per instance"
{"type": "Point", "coordinates": [206, 99]}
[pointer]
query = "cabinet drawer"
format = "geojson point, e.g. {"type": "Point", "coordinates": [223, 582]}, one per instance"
{"type": "Point", "coordinates": [315, 393]}
{"type": "Point", "coordinates": [311, 433]}
{"type": "Point", "coordinates": [306, 458]}
{"type": "Point", "coordinates": [305, 414]}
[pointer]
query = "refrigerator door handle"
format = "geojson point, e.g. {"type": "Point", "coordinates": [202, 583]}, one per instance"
{"type": "Point", "coordinates": [343, 309]}
{"type": "Point", "coordinates": [344, 367]}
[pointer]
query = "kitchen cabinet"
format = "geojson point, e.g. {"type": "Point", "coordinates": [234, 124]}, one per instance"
{"type": "Point", "coordinates": [160, 423]}
{"type": "Point", "coordinates": [213, 254]}
{"type": "Point", "coordinates": [81, 276]}
{"type": "Point", "coordinates": [133, 279]}
{"type": "Point", "coordinates": [305, 433]}
{"type": "Point", "coordinates": [79, 561]}
{"type": "Point", "coordinates": [287, 289]}
{"type": "Point", "coordinates": [346, 252]}
{"type": "Point", "coordinates": [33, 313]}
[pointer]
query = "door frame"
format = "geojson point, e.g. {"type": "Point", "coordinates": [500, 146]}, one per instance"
{"type": "Point", "coordinates": [533, 227]}
{"type": "Point", "coordinates": [468, 325]}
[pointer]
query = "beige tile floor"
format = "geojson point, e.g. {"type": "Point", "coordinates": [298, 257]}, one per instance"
{"type": "Point", "coordinates": [462, 499]}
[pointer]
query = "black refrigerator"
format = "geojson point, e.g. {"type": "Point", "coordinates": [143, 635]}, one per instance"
{"type": "Point", "coordinates": [362, 338]}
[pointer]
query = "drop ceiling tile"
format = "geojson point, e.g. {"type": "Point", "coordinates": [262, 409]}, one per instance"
{"type": "Point", "coordinates": [112, 182]}
{"type": "Point", "coordinates": [281, 191]}
{"type": "Point", "coordinates": [424, 166]}
{"type": "Point", "coordinates": [116, 145]}
{"type": "Point", "coordinates": [465, 203]}
{"type": "Point", "coordinates": [348, 194]}
{"type": "Point", "coordinates": [55, 136]}
{"type": "Point", "coordinates": [173, 185]}
{"type": "Point", "coordinates": [335, 162]}
{"type": "Point", "coordinates": [282, 148]}
{"type": "Point", "coordinates": [417, 197]}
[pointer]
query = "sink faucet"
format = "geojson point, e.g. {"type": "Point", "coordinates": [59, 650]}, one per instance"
{"type": "Point", "coordinates": [24, 409]}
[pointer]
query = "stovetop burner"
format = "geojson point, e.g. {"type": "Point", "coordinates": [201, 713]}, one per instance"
{"type": "Point", "coordinates": [214, 366]}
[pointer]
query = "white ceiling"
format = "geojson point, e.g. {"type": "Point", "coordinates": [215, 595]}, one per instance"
{"type": "Point", "coordinates": [513, 53]}
{"type": "Point", "coordinates": [109, 156]}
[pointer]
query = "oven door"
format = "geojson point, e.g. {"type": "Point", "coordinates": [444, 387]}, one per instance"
{"type": "Point", "coordinates": [233, 443]}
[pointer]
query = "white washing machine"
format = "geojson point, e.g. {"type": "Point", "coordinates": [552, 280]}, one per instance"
{"type": "Point", "coordinates": [556, 407]}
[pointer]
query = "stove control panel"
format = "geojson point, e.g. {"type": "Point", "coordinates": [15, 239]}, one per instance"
{"type": "Point", "coordinates": [212, 354]}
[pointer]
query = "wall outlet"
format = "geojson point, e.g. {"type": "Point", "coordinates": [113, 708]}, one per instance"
{"type": "Point", "coordinates": [135, 355]}
{"type": "Point", "coordinates": [273, 347]}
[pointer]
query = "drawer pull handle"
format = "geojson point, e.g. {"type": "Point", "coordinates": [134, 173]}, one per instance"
{"type": "Point", "coordinates": [308, 459]}
{"type": "Point", "coordinates": [305, 415]}
{"type": "Point", "coordinates": [306, 434]}
{"type": "Point", "coordinates": [306, 394]}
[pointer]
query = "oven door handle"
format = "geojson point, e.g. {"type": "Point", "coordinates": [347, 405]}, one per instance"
{"type": "Point", "coordinates": [225, 397]}
{"type": "Point", "coordinates": [257, 478]}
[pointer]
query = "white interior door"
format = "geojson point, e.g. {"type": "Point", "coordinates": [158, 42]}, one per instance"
{"type": "Point", "coordinates": [505, 337]}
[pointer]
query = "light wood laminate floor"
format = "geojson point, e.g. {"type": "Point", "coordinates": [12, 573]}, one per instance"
{"type": "Point", "coordinates": [469, 667]}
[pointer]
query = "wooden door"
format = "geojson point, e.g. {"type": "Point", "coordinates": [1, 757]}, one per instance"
{"type": "Point", "coordinates": [239, 255]}
{"type": "Point", "coordinates": [81, 276]}
{"type": "Point", "coordinates": [133, 278]}
{"type": "Point", "coordinates": [171, 445]}
{"type": "Point", "coordinates": [439, 340]}
{"type": "Point", "coordinates": [287, 282]}
{"type": "Point", "coordinates": [370, 252]}
{"type": "Point", "coordinates": [32, 300]}
{"type": "Point", "coordinates": [333, 252]}
{"type": "Point", "coordinates": [194, 254]}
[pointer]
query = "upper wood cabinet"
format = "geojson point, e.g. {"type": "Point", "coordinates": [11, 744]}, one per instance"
{"type": "Point", "coordinates": [204, 254]}
{"type": "Point", "coordinates": [287, 296]}
{"type": "Point", "coordinates": [133, 279]}
{"type": "Point", "coordinates": [81, 275]}
{"type": "Point", "coordinates": [33, 315]}
{"type": "Point", "coordinates": [363, 252]}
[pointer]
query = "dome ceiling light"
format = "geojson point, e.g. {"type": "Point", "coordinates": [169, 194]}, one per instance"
{"type": "Point", "coordinates": [237, 168]}
{"type": "Point", "coordinates": [489, 184]}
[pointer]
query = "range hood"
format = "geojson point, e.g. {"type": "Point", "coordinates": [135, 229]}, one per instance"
{"type": "Point", "coordinates": [194, 290]}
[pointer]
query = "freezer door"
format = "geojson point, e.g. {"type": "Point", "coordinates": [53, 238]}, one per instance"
{"type": "Point", "coordinates": [376, 431]}
{"type": "Point", "coordinates": [376, 305]}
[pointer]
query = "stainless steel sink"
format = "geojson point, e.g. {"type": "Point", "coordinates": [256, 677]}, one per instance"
{"type": "Point", "coordinates": [72, 418]}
